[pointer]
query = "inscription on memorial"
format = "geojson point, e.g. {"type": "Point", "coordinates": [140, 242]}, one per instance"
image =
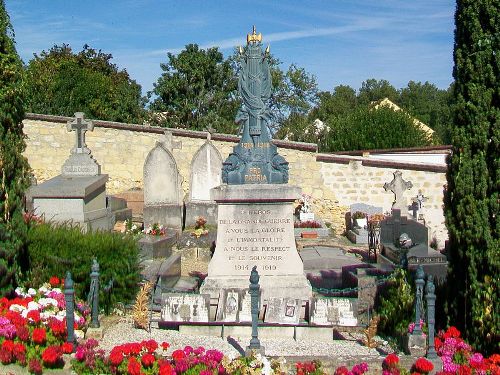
{"type": "Point", "coordinates": [259, 235]}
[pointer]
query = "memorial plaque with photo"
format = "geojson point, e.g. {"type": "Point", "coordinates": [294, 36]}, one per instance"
{"type": "Point", "coordinates": [183, 307]}
{"type": "Point", "coordinates": [333, 311]}
{"type": "Point", "coordinates": [228, 306]}
{"type": "Point", "coordinates": [283, 311]}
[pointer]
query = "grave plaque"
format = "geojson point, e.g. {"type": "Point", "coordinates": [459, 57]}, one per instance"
{"type": "Point", "coordinates": [332, 311]}
{"type": "Point", "coordinates": [245, 313]}
{"type": "Point", "coordinates": [283, 311]}
{"type": "Point", "coordinates": [228, 306]}
{"type": "Point", "coordinates": [180, 307]}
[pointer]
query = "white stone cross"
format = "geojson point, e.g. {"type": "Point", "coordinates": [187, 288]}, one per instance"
{"type": "Point", "coordinates": [210, 130]}
{"type": "Point", "coordinates": [398, 187]}
{"type": "Point", "coordinates": [168, 141]}
{"type": "Point", "coordinates": [80, 126]}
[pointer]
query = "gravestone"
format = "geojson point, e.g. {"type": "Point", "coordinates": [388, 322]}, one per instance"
{"type": "Point", "coordinates": [78, 194]}
{"type": "Point", "coordinates": [333, 311]}
{"type": "Point", "coordinates": [398, 187]}
{"type": "Point", "coordinates": [420, 252]}
{"type": "Point", "coordinates": [255, 205]}
{"type": "Point", "coordinates": [359, 235]}
{"type": "Point", "coordinates": [283, 311]}
{"type": "Point", "coordinates": [245, 313]}
{"type": "Point", "coordinates": [229, 305]}
{"type": "Point", "coordinates": [163, 202]}
{"type": "Point", "coordinates": [185, 307]}
{"type": "Point", "coordinates": [206, 172]}
{"type": "Point", "coordinates": [418, 206]}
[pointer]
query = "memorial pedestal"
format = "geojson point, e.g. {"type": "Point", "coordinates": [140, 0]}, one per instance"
{"type": "Point", "coordinates": [255, 228]}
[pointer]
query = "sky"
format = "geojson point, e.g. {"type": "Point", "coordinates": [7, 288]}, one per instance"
{"type": "Point", "coordinates": [337, 41]}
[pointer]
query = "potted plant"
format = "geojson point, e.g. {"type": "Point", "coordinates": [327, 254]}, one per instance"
{"type": "Point", "coordinates": [359, 219]}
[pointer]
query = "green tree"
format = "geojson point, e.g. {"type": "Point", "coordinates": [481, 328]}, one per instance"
{"type": "Point", "coordinates": [340, 102]}
{"type": "Point", "coordinates": [473, 183]}
{"type": "Point", "coordinates": [429, 104]}
{"type": "Point", "coordinates": [196, 90]}
{"type": "Point", "coordinates": [60, 82]}
{"type": "Point", "coordinates": [372, 90]}
{"type": "Point", "coordinates": [367, 128]}
{"type": "Point", "coordinates": [14, 167]}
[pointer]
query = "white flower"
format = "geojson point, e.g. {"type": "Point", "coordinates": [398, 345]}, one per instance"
{"type": "Point", "coordinates": [57, 290]}
{"type": "Point", "coordinates": [266, 370]}
{"type": "Point", "coordinates": [32, 305]}
{"type": "Point", "coordinates": [24, 313]}
{"type": "Point", "coordinates": [43, 289]}
{"type": "Point", "coordinates": [46, 302]}
{"type": "Point", "coordinates": [31, 292]}
{"type": "Point", "coordinates": [16, 308]}
{"type": "Point", "coordinates": [20, 291]}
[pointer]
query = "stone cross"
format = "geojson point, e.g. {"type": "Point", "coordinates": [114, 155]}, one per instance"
{"type": "Point", "coordinates": [80, 126]}
{"type": "Point", "coordinates": [398, 186]}
{"type": "Point", "coordinates": [167, 140]}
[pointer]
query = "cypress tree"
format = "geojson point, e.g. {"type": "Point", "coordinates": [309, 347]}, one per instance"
{"type": "Point", "coordinates": [472, 194]}
{"type": "Point", "coordinates": [13, 165]}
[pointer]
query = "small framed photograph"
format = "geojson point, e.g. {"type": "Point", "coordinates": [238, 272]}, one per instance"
{"type": "Point", "coordinates": [290, 310]}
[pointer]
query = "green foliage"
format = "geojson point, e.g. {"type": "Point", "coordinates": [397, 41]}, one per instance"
{"type": "Point", "coordinates": [196, 90]}
{"type": "Point", "coordinates": [14, 167]}
{"type": "Point", "coordinates": [370, 128]}
{"type": "Point", "coordinates": [395, 305]}
{"type": "Point", "coordinates": [55, 249]}
{"type": "Point", "coordinates": [472, 197]}
{"type": "Point", "coordinates": [60, 82]}
{"type": "Point", "coordinates": [373, 90]}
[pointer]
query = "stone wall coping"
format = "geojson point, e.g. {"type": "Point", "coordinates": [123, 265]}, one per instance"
{"type": "Point", "coordinates": [415, 150]}
{"type": "Point", "coordinates": [302, 146]}
{"type": "Point", "coordinates": [371, 162]}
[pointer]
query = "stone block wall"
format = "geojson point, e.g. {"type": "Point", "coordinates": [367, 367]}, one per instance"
{"type": "Point", "coordinates": [334, 182]}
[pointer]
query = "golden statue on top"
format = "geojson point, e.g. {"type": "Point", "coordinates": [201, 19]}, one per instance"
{"type": "Point", "coordinates": [254, 37]}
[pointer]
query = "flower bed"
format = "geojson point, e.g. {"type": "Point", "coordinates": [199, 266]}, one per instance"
{"type": "Point", "coordinates": [33, 327]}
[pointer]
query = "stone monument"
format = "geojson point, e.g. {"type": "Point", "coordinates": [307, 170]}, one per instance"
{"type": "Point", "coordinates": [398, 187]}
{"type": "Point", "coordinates": [78, 194]}
{"type": "Point", "coordinates": [206, 172]}
{"type": "Point", "coordinates": [163, 202]}
{"type": "Point", "coordinates": [255, 204]}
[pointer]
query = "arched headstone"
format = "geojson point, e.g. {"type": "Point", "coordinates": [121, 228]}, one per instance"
{"type": "Point", "coordinates": [206, 173]}
{"type": "Point", "coordinates": [162, 189]}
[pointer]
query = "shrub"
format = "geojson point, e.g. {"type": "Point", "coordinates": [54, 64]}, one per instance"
{"type": "Point", "coordinates": [55, 249]}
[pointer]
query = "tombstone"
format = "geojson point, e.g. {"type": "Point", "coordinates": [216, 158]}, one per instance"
{"type": "Point", "coordinates": [206, 173]}
{"type": "Point", "coordinates": [398, 187]}
{"type": "Point", "coordinates": [162, 186]}
{"type": "Point", "coordinates": [283, 311]}
{"type": "Point", "coordinates": [229, 305]}
{"type": "Point", "coordinates": [255, 222]}
{"type": "Point", "coordinates": [420, 252]}
{"type": "Point", "coordinates": [418, 206]}
{"type": "Point", "coordinates": [185, 307]}
{"type": "Point", "coordinates": [359, 235]}
{"type": "Point", "coordinates": [78, 194]}
{"type": "Point", "coordinates": [245, 313]}
{"type": "Point", "coordinates": [332, 311]}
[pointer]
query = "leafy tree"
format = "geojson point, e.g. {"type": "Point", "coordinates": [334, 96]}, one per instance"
{"type": "Point", "coordinates": [429, 104]}
{"type": "Point", "coordinates": [367, 128]}
{"type": "Point", "coordinates": [472, 196]}
{"type": "Point", "coordinates": [372, 90]}
{"type": "Point", "coordinates": [14, 167]}
{"type": "Point", "coordinates": [60, 82]}
{"type": "Point", "coordinates": [340, 102]}
{"type": "Point", "coordinates": [196, 90]}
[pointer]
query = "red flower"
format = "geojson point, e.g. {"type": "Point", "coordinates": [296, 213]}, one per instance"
{"type": "Point", "coordinates": [23, 333]}
{"type": "Point", "coordinates": [342, 370]}
{"type": "Point", "coordinates": [165, 368]}
{"type": "Point", "coordinates": [150, 345]}
{"type": "Point", "coordinates": [51, 355]}
{"type": "Point", "coordinates": [452, 332]}
{"type": "Point", "coordinates": [422, 365]}
{"type": "Point", "coordinates": [8, 345]}
{"type": "Point", "coordinates": [148, 360]}
{"type": "Point", "coordinates": [67, 348]}
{"type": "Point", "coordinates": [34, 315]}
{"type": "Point", "coordinates": [39, 336]}
{"type": "Point", "coordinates": [134, 367]}
{"type": "Point", "coordinates": [58, 328]}
{"type": "Point", "coordinates": [165, 345]}
{"type": "Point", "coordinates": [178, 355]}
{"type": "Point", "coordinates": [54, 281]}
{"type": "Point", "coordinates": [35, 367]}
{"type": "Point", "coordinates": [15, 318]}
{"type": "Point", "coordinates": [116, 357]}
{"type": "Point", "coordinates": [464, 370]}
{"type": "Point", "coordinates": [390, 361]}
{"type": "Point", "coordinates": [19, 349]}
